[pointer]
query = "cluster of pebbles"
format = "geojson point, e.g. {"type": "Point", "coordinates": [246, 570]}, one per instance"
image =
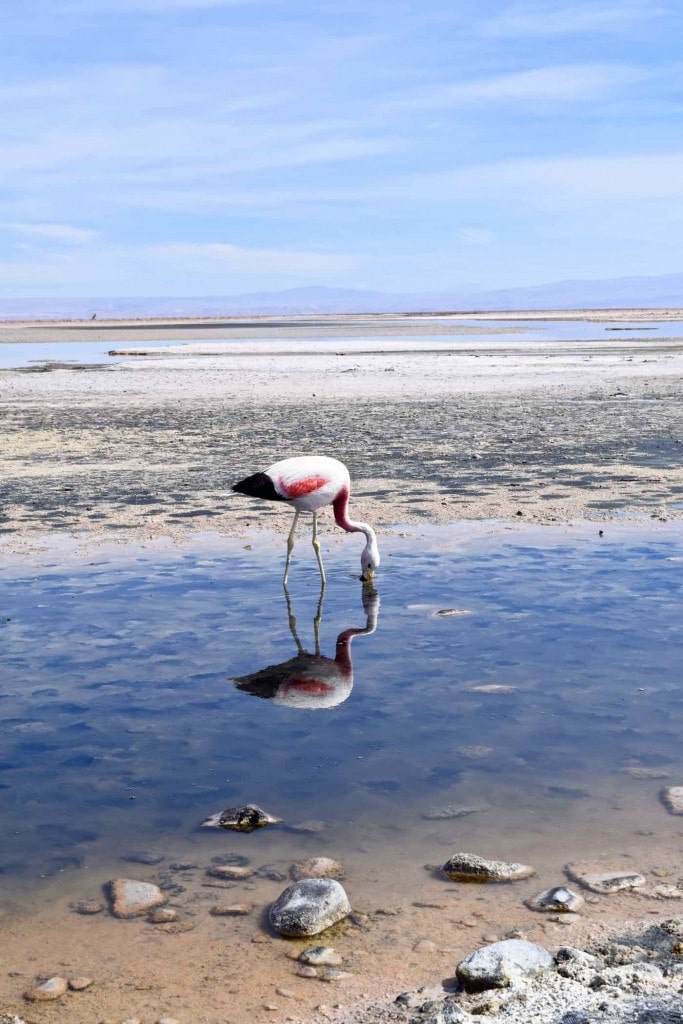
{"type": "Point", "coordinates": [315, 901]}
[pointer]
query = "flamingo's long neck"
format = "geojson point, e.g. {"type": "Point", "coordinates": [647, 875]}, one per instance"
{"type": "Point", "coordinates": [341, 516]}
{"type": "Point", "coordinates": [343, 651]}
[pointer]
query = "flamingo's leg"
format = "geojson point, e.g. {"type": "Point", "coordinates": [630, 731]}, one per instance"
{"type": "Point", "coordinates": [292, 621]}
{"type": "Point", "coordinates": [318, 616]}
{"type": "Point", "coordinates": [316, 547]}
{"type": "Point", "coordinates": [290, 546]}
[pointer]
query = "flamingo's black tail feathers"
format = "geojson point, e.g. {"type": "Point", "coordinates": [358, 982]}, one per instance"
{"type": "Point", "coordinates": [259, 485]}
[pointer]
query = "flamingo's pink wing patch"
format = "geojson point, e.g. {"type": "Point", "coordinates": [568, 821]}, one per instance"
{"type": "Point", "coordinates": [300, 488]}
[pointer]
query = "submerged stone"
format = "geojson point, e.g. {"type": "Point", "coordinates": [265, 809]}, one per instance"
{"type": "Point", "coordinates": [596, 879]}
{"type": "Point", "coordinates": [672, 798]}
{"type": "Point", "coordinates": [230, 871]}
{"type": "Point", "coordinates": [449, 812]}
{"type": "Point", "coordinates": [144, 857]}
{"type": "Point", "coordinates": [231, 909]}
{"type": "Point", "coordinates": [501, 964]}
{"type": "Point", "coordinates": [316, 867]}
{"type": "Point", "coordinates": [468, 867]}
{"type": "Point", "coordinates": [559, 900]}
{"type": "Point", "coordinates": [245, 818]}
{"type": "Point", "coordinates": [320, 955]}
{"type": "Point", "coordinates": [308, 907]}
{"type": "Point", "coordinates": [130, 898]}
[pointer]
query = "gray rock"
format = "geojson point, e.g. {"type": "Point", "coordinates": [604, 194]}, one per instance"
{"type": "Point", "coordinates": [79, 984]}
{"type": "Point", "coordinates": [231, 909]}
{"type": "Point", "coordinates": [245, 818]}
{"type": "Point", "coordinates": [11, 1018]}
{"type": "Point", "coordinates": [449, 812]}
{"type": "Point", "coordinates": [595, 878]}
{"type": "Point", "coordinates": [468, 867]}
{"type": "Point", "coordinates": [88, 907]}
{"type": "Point", "coordinates": [306, 971]}
{"type": "Point", "coordinates": [666, 892]}
{"type": "Point", "coordinates": [309, 907]}
{"type": "Point", "coordinates": [576, 964]}
{"type": "Point", "coordinates": [273, 872]}
{"type": "Point", "coordinates": [501, 964]}
{"type": "Point", "coordinates": [316, 867]}
{"type": "Point", "coordinates": [672, 798]}
{"type": "Point", "coordinates": [559, 900]}
{"type": "Point", "coordinates": [162, 915]}
{"type": "Point", "coordinates": [319, 955]}
{"type": "Point", "coordinates": [130, 898]}
{"type": "Point", "coordinates": [46, 991]}
{"type": "Point", "coordinates": [144, 857]}
{"type": "Point", "coordinates": [230, 871]}
{"type": "Point", "coordinates": [333, 974]}
{"type": "Point", "coordinates": [637, 978]}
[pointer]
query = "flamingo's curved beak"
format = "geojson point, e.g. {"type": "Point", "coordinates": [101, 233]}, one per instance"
{"type": "Point", "coordinates": [367, 575]}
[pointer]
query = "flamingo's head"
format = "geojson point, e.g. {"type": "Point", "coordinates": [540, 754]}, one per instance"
{"type": "Point", "coordinates": [369, 558]}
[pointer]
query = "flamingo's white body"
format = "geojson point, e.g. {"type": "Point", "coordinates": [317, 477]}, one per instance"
{"type": "Point", "coordinates": [307, 484]}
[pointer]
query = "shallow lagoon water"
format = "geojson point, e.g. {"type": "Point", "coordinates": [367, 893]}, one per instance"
{"type": "Point", "coordinates": [40, 355]}
{"type": "Point", "coordinates": [127, 718]}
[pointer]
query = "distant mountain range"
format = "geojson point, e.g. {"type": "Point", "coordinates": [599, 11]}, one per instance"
{"type": "Point", "coordinates": [619, 292]}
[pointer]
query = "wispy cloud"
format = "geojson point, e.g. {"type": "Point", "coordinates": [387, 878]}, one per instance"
{"type": "Point", "coordinates": [605, 179]}
{"type": "Point", "coordinates": [162, 7]}
{"type": "Point", "coordinates": [51, 232]}
{"type": "Point", "coordinates": [552, 19]}
{"type": "Point", "coordinates": [224, 257]}
{"type": "Point", "coordinates": [181, 268]}
{"type": "Point", "coordinates": [561, 83]}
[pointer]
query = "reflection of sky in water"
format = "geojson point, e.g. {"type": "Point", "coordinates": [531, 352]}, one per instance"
{"type": "Point", "coordinates": [118, 682]}
{"type": "Point", "coordinates": [26, 354]}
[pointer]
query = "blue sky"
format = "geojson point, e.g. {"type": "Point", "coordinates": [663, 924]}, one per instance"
{"type": "Point", "coordinates": [203, 147]}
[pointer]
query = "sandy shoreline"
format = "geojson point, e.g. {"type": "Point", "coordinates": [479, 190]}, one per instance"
{"type": "Point", "coordinates": [149, 446]}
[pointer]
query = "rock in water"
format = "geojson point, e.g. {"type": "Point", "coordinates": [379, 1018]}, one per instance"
{"type": "Point", "coordinates": [129, 898]}
{"type": "Point", "coordinates": [231, 909]}
{"type": "Point", "coordinates": [246, 818]}
{"type": "Point", "coordinates": [316, 867]}
{"type": "Point", "coordinates": [162, 915]}
{"type": "Point", "coordinates": [230, 871]}
{"type": "Point", "coordinates": [308, 907]}
{"type": "Point", "coordinates": [53, 988]}
{"type": "Point", "coordinates": [317, 956]}
{"type": "Point", "coordinates": [596, 879]}
{"type": "Point", "coordinates": [559, 900]}
{"type": "Point", "coordinates": [468, 867]}
{"type": "Point", "coordinates": [501, 964]}
{"type": "Point", "coordinates": [144, 857]}
{"type": "Point", "coordinates": [672, 798]}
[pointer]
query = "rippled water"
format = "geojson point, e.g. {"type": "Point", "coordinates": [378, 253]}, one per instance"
{"type": "Point", "coordinates": [138, 695]}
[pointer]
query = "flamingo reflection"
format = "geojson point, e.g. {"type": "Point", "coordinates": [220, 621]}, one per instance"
{"type": "Point", "coordinates": [312, 680]}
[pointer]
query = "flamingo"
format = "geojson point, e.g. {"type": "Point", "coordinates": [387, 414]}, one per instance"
{"type": "Point", "coordinates": [312, 681]}
{"type": "Point", "coordinates": [308, 483]}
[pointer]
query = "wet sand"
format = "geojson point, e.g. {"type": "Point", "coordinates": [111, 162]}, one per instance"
{"type": "Point", "coordinates": [146, 450]}
{"type": "Point", "coordinates": [149, 446]}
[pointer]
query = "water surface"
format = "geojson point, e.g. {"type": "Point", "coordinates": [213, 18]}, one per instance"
{"type": "Point", "coordinates": [135, 698]}
{"type": "Point", "coordinates": [41, 355]}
